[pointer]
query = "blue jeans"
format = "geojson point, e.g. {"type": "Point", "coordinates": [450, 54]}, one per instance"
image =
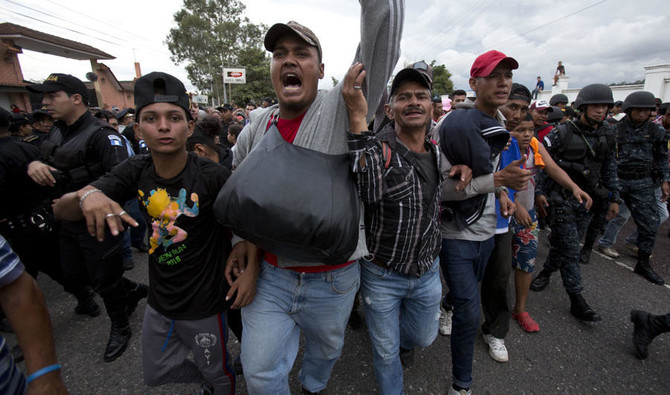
{"type": "Point", "coordinates": [614, 226]}
{"type": "Point", "coordinates": [463, 263]}
{"type": "Point", "coordinates": [286, 302]}
{"type": "Point", "coordinates": [400, 311]}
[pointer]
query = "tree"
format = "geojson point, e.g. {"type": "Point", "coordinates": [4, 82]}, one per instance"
{"type": "Point", "coordinates": [442, 84]}
{"type": "Point", "coordinates": [214, 33]}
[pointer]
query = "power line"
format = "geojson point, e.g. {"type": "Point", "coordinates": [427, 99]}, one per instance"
{"type": "Point", "coordinates": [132, 35]}
{"type": "Point", "coordinates": [132, 44]}
{"type": "Point", "coordinates": [550, 23]}
{"type": "Point", "coordinates": [62, 27]}
{"type": "Point", "coordinates": [61, 19]}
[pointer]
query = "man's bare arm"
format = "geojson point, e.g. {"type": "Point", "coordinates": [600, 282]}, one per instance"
{"type": "Point", "coordinates": [23, 303]}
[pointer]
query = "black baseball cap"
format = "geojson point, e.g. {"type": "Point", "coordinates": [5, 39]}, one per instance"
{"type": "Point", "coordinates": [61, 82]}
{"type": "Point", "coordinates": [39, 114]}
{"type": "Point", "coordinates": [420, 72]}
{"type": "Point", "coordinates": [159, 87]}
{"type": "Point", "coordinates": [519, 92]}
{"type": "Point", "coordinates": [126, 112]}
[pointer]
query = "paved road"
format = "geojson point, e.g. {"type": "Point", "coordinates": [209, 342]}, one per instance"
{"type": "Point", "coordinates": [566, 356]}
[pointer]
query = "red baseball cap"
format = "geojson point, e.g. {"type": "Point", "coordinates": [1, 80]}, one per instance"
{"type": "Point", "coordinates": [486, 62]}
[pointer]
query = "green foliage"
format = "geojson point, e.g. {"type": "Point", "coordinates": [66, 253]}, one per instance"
{"type": "Point", "coordinates": [212, 33]}
{"type": "Point", "coordinates": [442, 84]}
{"type": "Point", "coordinates": [335, 81]}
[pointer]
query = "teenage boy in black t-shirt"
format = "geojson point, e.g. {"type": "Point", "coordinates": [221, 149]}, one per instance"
{"type": "Point", "coordinates": [188, 291]}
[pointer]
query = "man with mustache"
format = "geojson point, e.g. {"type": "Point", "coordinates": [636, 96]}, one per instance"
{"type": "Point", "coordinates": [399, 182]}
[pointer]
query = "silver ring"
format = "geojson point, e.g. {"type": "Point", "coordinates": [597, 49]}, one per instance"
{"type": "Point", "coordinates": [357, 87]}
{"type": "Point", "coordinates": [121, 213]}
{"type": "Point", "coordinates": [110, 215]}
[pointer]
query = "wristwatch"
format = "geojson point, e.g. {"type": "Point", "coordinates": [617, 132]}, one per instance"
{"type": "Point", "coordinates": [500, 189]}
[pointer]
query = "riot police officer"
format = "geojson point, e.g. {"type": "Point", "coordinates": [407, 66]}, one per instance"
{"type": "Point", "coordinates": [24, 217]}
{"type": "Point", "coordinates": [559, 100]}
{"type": "Point", "coordinates": [80, 148]}
{"type": "Point", "coordinates": [642, 163]}
{"type": "Point", "coordinates": [585, 149]}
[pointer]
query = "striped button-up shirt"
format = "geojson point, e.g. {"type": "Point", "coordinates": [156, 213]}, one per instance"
{"type": "Point", "coordinates": [402, 230]}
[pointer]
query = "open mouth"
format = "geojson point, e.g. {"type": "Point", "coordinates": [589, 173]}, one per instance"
{"type": "Point", "coordinates": [291, 81]}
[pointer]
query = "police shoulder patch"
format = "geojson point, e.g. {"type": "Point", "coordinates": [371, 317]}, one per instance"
{"type": "Point", "coordinates": [115, 141]}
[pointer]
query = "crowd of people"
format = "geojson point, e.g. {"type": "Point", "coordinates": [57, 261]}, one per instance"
{"type": "Point", "coordinates": [436, 211]}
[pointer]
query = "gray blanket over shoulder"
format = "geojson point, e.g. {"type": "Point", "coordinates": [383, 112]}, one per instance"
{"type": "Point", "coordinates": [325, 124]}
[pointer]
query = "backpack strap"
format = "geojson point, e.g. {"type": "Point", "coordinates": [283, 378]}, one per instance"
{"type": "Point", "coordinates": [386, 155]}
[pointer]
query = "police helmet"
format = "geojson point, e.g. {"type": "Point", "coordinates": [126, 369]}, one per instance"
{"type": "Point", "coordinates": [594, 94]}
{"type": "Point", "coordinates": [641, 99]}
{"type": "Point", "coordinates": [559, 98]}
{"type": "Point", "coordinates": [555, 115]}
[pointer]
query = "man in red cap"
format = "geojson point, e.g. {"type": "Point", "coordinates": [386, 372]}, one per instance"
{"type": "Point", "coordinates": [475, 138]}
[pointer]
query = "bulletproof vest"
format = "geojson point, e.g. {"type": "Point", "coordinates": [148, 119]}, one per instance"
{"type": "Point", "coordinates": [635, 149]}
{"type": "Point", "coordinates": [581, 154]}
{"type": "Point", "coordinates": [75, 169]}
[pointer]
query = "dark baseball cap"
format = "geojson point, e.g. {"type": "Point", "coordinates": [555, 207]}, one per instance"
{"type": "Point", "coordinates": [279, 30]}
{"type": "Point", "coordinates": [158, 87]}
{"type": "Point", "coordinates": [420, 72]}
{"type": "Point", "coordinates": [39, 114]}
{"type": "Point", "coordinates": [519, 92]}
{"type": "Point", "coordinates": [19, 120]}
{"type": "Point", "coordinates": [61, 82]}
{"type": "Point", "coordinates": [486, 62]}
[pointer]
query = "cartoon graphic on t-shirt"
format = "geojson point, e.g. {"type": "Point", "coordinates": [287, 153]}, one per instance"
{"type": "Point", "coordinates": [164, 211]}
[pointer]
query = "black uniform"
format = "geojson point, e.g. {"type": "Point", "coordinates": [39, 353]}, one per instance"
{"type": "Point", "coordinates": [25, 212]}
{"type": "Point", "coordinates": [82, 152]}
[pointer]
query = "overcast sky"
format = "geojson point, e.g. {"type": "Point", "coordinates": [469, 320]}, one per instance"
{"type": "Point", "coordinates": [597, 40]}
